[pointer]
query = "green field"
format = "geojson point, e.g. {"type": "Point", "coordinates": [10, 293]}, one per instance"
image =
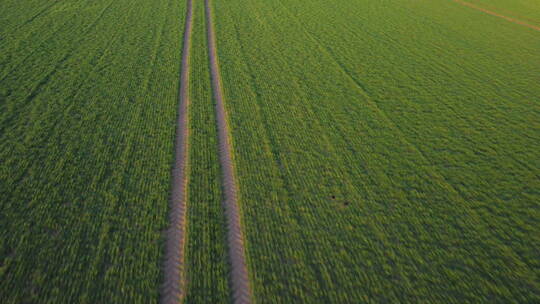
{"type": "Point", "coordinates": [385, 151]}
{"type": "Point", "coordinates": [88, 100]}
{"type": "Point", "coordinates": [206, 253]}
{"type": "Point", "coordinates": [526, 10]}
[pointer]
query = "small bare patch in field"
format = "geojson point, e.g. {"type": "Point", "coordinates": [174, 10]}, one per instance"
{"type": "Point", "coordinates": [341, 203]}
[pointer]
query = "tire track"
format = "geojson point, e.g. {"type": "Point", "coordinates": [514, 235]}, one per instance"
{"type": "Point", "coordinates": [174, 284]}
{"type": "Point", "coordinates": [239, 271]}
{"type": "Point", "coordinates": [516, 21]}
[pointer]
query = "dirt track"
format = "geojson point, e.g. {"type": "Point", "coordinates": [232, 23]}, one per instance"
{"type": "Point", "coordinates": [173, 290]}
{"type": "Point", "coordinates": [516, 21]}
{"type": "Point", "coordinates": [239, 272]}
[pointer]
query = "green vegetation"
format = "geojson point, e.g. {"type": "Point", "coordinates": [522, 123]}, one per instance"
{"type": "Point", "coordinates": [88, 104]}
{"type": "Point", "coordinates": [386, 150]}
{"type": "Point", "coordinates": [206, 254]}
{"type": "Point", "coordinates": [525, 10]}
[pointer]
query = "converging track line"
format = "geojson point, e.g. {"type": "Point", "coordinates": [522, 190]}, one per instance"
{"type": "Point", "coordinates": [516, 21]}
{"type": "Point", "coordinates": [174, 285]}
{"type": "Point", "coordinates": [239, 271]}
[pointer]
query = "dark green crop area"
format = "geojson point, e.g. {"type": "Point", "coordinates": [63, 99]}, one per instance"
{"type": "Point", "coordinates": [387, 151]}
{"type": "Point", "coordinates": [88, 107]}
{"type": "Point", "coordinates": [206, 254]}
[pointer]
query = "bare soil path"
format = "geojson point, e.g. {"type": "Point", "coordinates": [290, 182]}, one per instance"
{"type": "Point", "coordinates": [174, 284]}
{"type": "Point", "coordinates": [516, 21]}
{"type": "Point", "coordinates": [239, 271]}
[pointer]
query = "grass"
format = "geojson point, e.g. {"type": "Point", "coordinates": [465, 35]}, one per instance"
{"type": "Point", "coordinates": [88, 101]}
{"type": "Point", "coordinates": [524, 10]}
{"type": "Point", "coordinates": [386, 151]}
{"type": "Point", "coordinates": [206, 255]}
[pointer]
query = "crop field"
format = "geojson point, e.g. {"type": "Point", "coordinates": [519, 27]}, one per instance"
{"type": "Point", "coordinates": [386, 152]}
{"type": "Point", "coordinates": [348, 151]}
{"type": "Point", "coordinates": [524, 10]}
{"type": "Point", "coordinates": [88, 99]}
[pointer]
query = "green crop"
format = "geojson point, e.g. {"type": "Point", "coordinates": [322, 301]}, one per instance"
{"type": "Point", "coordinates": [88, 103]}
{"type": "Point", "coordinates": [387, 151]}
{"type": "Point", "coordinates": [524, 10]}
{"type": "Point", "coordinates": [206, 255]}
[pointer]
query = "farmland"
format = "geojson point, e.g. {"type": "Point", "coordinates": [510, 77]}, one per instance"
{"type": "Point", "coordinates": [524, 10]}
{"type": "Point", "coordinates": [206, 253]}
{"type": "Point", "coordinates": [383, 151]}
{"type": "Point", "coordinates": [88, 99]}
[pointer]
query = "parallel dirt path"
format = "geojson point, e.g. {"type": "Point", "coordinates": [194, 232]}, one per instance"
{"type": "Point", "coordinates": [239, 271]}
{"type": "Point", "coordinates": [516, 21]}
{"type": "Point", "coordinates": [174, 285]}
